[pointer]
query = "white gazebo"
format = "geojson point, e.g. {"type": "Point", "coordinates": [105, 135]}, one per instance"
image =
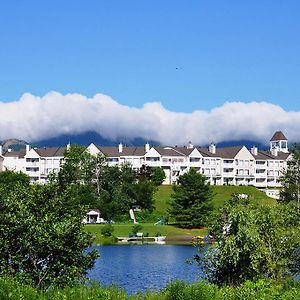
{"type": "Point", "coordinates": [92, 217]}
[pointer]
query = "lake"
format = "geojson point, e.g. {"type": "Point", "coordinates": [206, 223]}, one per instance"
{"type": "Point", "coordinates": [144, 267]}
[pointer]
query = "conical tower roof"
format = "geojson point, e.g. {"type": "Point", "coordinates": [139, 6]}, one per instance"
{"type": "Point", "coordinates": [278, 136]}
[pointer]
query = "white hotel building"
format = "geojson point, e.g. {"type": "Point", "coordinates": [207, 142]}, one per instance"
{"type": "Point", "coordinates": [222, 166]}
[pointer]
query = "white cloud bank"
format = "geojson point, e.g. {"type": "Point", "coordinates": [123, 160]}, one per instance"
{"type": "Point", "coordinates": [35, 118]}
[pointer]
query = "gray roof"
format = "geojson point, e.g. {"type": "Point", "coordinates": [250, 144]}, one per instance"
{"type": "Point", "coordinates": [50, 152]}
{"type": "Point", "coordinates": [126, 151]}
{"type": "Point", "coordinates": [20, 154]}
{"type": "Point", "coordinates": [267, 155]}
{"type": "Point", "coordinates": [169, 151]}
{"type": "Point", "coordinates": [43, 152]}
{"type": "Point", "coordinates": [224, 152]}
{"type": "Point", "coordinates": [278, 136]}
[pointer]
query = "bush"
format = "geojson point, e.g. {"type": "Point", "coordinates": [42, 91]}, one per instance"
{"type": "Point", "coordinates": [263, 289]}
{"type": "Point", "coordinates": [136, 228]}
{"type": "Point", "coordinates": [42, 238]}
{"type": "Point", "coordinates": [107, 230]}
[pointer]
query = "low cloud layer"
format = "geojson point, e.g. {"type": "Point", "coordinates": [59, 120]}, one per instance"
{"type": "Point", "coordinates": [35, 118]}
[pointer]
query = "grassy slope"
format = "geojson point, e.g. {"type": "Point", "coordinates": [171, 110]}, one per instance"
{"type": "Point", "coordinates": [221, 193]}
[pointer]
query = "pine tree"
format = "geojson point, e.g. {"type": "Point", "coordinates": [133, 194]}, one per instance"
{"type": "Point", "coordinates": [190, 204]}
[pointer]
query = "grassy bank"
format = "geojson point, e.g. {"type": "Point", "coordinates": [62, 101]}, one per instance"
{"type": "Point", "coordinates": [263, 289]}
{"type": "Point", "coordinates": [221, 194]}
{"type": "Point", "coordinates": [151, 229]}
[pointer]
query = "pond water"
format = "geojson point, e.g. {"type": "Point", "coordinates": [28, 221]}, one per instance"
{"type": "Point", "coordinates": [144, 267]}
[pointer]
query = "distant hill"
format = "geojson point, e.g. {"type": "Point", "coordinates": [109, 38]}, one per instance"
{"type": "Point", "coordinates": [247, 143]}
{"type": "Point", "coordinates": [87, 138]}
{"type": "Point", "coordinates": [13, 144]}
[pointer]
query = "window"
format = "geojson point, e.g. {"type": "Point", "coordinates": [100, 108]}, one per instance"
{"type": "Point", "coordinates": [194, 159]}
{"type": "Point", "coordinates": [155, 159]}
{"type": "Point", "coordinates": [113, 159]}
{"type": "Point", "coordinates": [32, 160]}
{"type": "Point", "coordinates": [227, 161]}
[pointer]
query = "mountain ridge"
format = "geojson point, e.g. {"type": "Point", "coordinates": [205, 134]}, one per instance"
{"type": "Point", "coordinates": [87, 138]}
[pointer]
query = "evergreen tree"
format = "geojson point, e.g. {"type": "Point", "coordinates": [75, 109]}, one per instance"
{"type": "Point", "coordinates": [190, 204]}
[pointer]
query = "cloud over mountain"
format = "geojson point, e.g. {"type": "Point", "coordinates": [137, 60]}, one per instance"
{"type": "Point", "coordinates": [34, 118]}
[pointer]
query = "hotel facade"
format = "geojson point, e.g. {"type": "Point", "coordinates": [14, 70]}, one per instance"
{"type": "Point", "coordinates": [222, 166]}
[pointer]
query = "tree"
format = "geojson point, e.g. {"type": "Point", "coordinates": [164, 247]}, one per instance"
{"type": "Point", "coordinates": [144, 192]}
{"type": "Point", "coordinates": [190, 204]}
{"type": "Point", "coordinates": [77, 168]}
{"type": "Point", "coordinates": [291, 180]}
{"type": "Point", "coordinates": [10, 178]}
{"type": "Point", "coordinates": [154, 174]}
{"type": "Point", "coordinates": [158, 176]}
{"type": "Point", "coordinates": [42, 238]}
{"type": "Point", "coordinates": [253, 242]}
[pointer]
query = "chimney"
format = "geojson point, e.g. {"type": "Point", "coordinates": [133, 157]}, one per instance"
{"type": "Point", "coordinates": [68, 146]}
{"type": "Point", "coordinates": [1, 150]}
{"type": "Point", "coordinates": [120, 147]}
{"type": "Point", "coordinates": [190, 145]}
{"type": "Point", "coordinates": [254, 150]}
{"type": "Point", "coordinates": [27, 149]}
{"type": "Point", "coordinates": [9, 150]}
{"type": "Point", "coordinates": [274, 151]}
{"type": "Point", "coordinates": [212, 148]}
{"type": "Point", "coordinates": [147, 147]}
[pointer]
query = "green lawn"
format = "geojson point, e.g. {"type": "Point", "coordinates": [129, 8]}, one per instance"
{"type": "Point", "coordinates": [150, 228]}
{"type": "Point", "coordinates": [162, 197]}
{"type": "Point", "coordinates": [221, 193]}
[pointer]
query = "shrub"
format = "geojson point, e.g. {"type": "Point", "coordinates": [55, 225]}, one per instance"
{"type": "Point", "coordinates": [107, 230]}
{"type": "Point", "coordinates": [136, 228]}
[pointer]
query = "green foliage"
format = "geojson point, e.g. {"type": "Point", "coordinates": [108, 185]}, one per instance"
{"type": "Point", "coordinates": [291, 181]}
{"type": "Point", "coordinates": [155, 174]}
{"type": "Point", "coordinates": [113, 190]}
{"type": "Point", "coordinates": [190, 204]}
{"type": "Point", "coordinates": [144, 192]}
{"type": "Point", "coordinates": [42, 238]}
{"type": "Point", "coordinates": [158, 176]}
{"type": "Point", "coordinates": [262, 289]}
{"type": "Point", "coordinates": [107, 230]}
{"type": "Point", "coordinates": [253, 242]}
{"type": "Point", "coordinates": [10, 178]}
{"type": "Point", "coordinates": [136, 228]}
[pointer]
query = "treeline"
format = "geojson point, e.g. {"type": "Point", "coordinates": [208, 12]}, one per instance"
{"type": "Point", "coordinates": [262, 289]}
{"type": "Point", "coordinates": [114, 190]}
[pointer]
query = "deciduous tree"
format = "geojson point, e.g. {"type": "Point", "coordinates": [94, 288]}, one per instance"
{"type": "Point", "coordinates": [290, 191]}
{"type": "Point", "coordinates": [253, 242]}
{"type": "Point", "coordinates": [42, 239]}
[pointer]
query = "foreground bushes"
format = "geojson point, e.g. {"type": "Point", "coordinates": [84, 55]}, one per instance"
{"type": "Point", "coordinates": [263, 289]}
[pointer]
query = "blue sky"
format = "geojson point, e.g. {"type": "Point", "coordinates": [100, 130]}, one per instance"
{"type": "Point", "coordinates": [188, 55]}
